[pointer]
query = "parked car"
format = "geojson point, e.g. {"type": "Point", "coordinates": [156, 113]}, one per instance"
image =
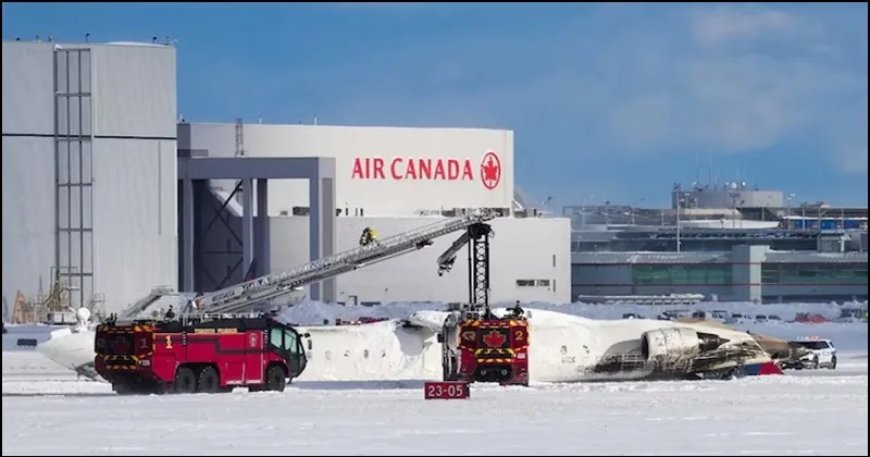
{"type": "Point", "coordinates": [822, 354]}
{"type": "Point", "coordinates": [719, 314]}
{"type": "Point", "coordinates": [736, 318]}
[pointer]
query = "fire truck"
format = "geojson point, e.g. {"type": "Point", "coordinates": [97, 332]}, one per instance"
{"type": "Point", "coordinates": [485, 348]}
{"type": "Point", "coordinates": [477, 345]}
{"type": "Point", "coordinates": [199, 354]}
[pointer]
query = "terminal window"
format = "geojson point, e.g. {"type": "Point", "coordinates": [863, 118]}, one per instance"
{"type": "Point", "coordinates": [533, 282]}
{"type": "Point", "coordinates": [814, 273]}
{"type": "Point", "coordinates": [677, 275]}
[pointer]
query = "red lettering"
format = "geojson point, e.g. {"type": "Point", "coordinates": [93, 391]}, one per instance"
{"type": "Point", "coordinates": [439, 169]}
{"type": "Point", "coordinates": [466, 172]}
{"type": "Point", "coordinates": [425, 168]}
{"type": "Point", "coordinates": [452, 169]}
{"type": "Point", "coordinates": [357, 169]}
{"type": "Point", "coordinates": [395, 161]}
{"type": "Point", "coordinates": [411, 172]}
{"type": "Point", "coordinates": [413, 168]}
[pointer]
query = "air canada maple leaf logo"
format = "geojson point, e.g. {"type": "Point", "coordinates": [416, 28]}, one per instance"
{"type": "Point", "coordinates": [494, 339]}
{"type": "Point", "coordinates": [490, 170]}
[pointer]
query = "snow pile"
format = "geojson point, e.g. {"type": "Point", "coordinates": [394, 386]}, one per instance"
{"type": "Point", "coordinates": [314, 313]}
{"type": "Point", "coordinates": [377, 351]}
{"type": "Point", "coordinates": [786, 311]}
{"type": "Point", "coordinates": [847, 338]}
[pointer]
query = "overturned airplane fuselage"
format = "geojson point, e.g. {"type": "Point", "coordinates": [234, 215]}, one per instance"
{"type": "Point", "coordinates": [563, 348]}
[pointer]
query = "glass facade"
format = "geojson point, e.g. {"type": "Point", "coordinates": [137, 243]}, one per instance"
{"type": "Point", "coordinates": [677, 275]}
{"type": "Point", "coordinates": [814, 273]}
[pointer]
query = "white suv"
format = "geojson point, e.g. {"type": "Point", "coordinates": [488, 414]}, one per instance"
{"type": "Point", "coordinates": [822, 353]}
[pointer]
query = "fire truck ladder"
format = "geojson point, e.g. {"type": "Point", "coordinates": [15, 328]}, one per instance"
{"type": "Point", "coordinates": [477, 237]}
{"type": "Point", "coordinates": [143, 303]}
{"type": "Point", "coordinates": [246, 295]}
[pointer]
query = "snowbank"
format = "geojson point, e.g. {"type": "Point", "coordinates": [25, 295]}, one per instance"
{"type": "Point", "coordinates": [786, 311]}
{"type": "Point", "coordinates": [39, 332]}
{"type": "Point", "coordinates": [848, 337]}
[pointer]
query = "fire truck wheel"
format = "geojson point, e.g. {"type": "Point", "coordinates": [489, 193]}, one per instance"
{"type": "Point", "coordinates": [122, 389]}
{"type": "Point", "coordinates": [209, 382]}
{"type": "Point", "coordinates": [275, 379]}
{"type": "Point", "coordinates": [185, 380]}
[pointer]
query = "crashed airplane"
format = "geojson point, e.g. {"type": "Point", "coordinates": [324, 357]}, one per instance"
{"type": "Point", "coordinates": [563, 348]}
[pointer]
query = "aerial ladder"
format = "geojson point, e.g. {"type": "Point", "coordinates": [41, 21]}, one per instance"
{"type": "Point", "coordinates": [153, 296]}
{"type": "Point", "coordinates": [245, 296]}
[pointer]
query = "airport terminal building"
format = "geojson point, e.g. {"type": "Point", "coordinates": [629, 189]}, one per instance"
{"type": "Point", "coordinates": [106, 193]}
{"type": "Point", "coordinates": [725, 242]}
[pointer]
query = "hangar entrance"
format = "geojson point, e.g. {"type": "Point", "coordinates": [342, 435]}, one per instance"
{"type": "Point", "coordinates": [245, 250]}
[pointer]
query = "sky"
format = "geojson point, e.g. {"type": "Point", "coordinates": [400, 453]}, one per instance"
{"type": "Point", "coordinates": [608, 102]}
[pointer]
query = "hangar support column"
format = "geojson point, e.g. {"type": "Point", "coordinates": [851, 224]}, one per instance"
{"type": "Point", "coordinates": [321, 194]}
{"type": "Point", "coordinates": [261, 230]}
{"type": "Point", "coordinates": [187, 214]}
{"type": "Point", "coordinates": [247, 224]}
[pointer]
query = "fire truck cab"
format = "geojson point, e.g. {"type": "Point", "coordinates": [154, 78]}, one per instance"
{"type": "Point", "coordinates": [199, 355]}
{"type": "Point", "coordinates": [485, 348]}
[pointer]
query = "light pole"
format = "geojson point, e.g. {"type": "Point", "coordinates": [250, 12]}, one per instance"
{"type": "Point", "coordinates": [804, 215]}
{"type": "Point", "coordinates": [734, 196]}
{"type": "Point", "coordinates": [788, 200]}
{"type": "Point", "coordinates": [583, 210]}
{"type": "Point", "coordinates": [679, 204]}
{"type": "Point", "coordinates": [632, 210]}
{"type": "Point", "coordinates": [821, 214]}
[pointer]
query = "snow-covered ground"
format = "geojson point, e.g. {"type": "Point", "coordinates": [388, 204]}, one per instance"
{"type": "Point", "coordinates": [808, 413]}
{"type": "Point", "coordinates": [46, 410]}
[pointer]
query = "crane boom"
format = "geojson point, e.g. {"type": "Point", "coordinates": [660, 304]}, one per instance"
{"type": "Point", "coordinates": [446, 260]}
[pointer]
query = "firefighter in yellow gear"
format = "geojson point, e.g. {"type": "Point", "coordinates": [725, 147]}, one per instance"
{"type": "Point", "coordinates": [368, 236]}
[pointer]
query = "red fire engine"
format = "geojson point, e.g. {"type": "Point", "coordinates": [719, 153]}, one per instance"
{"type": "Point", "coordinates": [486, 348]}
{"type": "Point", "coordinates": [198, 355]}
{"type": "Point", "coordinates": [476, 344]}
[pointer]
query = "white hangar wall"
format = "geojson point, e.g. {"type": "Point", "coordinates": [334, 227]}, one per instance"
{"type": "Point", "coordinates": [384, 171]}
{"type": "Point", "coordinates": [89, 175]}
{"type": "Point", "coordinates": [535, 249]}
